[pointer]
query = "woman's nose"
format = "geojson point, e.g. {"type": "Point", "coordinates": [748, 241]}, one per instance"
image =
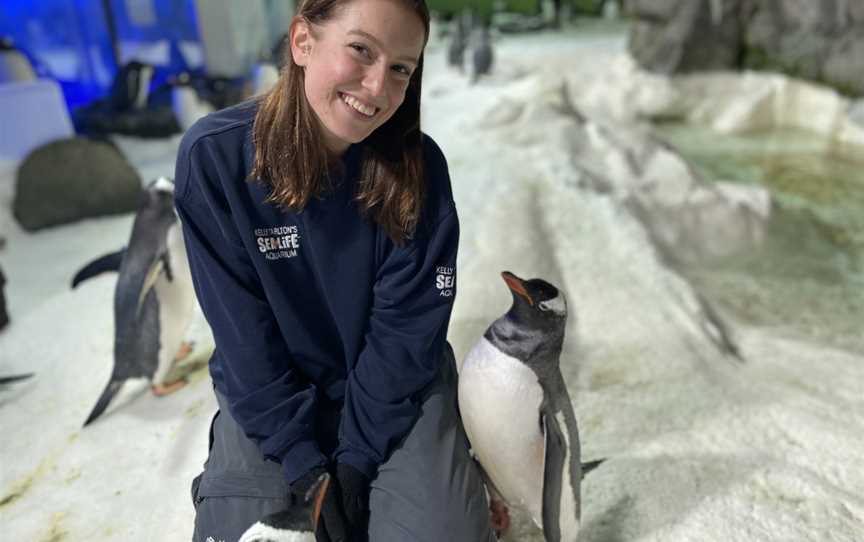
{"type": "Point", "coordinates": [375, 79]}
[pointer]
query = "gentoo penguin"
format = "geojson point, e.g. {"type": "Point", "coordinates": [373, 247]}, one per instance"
{"type": "Point", "coordinates": [265, 75]}
{"type": "Point", "coordinates": [4, 315]}
{"type": "Point", "coordinates": [517, 412]}
{"type": "Point", "coordinates": [291, 525]}
{"type": "Point", "coordinates": [153, 300]}
{"type": "Point", "coordinates": [265, 72]}
{"type": "Point", "coordinates": [14, 66]}
{"type": "Point", "coordinates": [458, 43]}
{"type": "Point", "coordinates": [186, 104]}
{"type": "Point", "coordinates": [131, 88]}
{"type": "Point", "coordinates": [482, 55]}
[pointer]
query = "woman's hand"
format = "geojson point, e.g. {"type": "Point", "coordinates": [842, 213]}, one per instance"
{"type": "Point", "coordinates": [354, 486]}
{"type": "Point", "coordinates": [340, 503]}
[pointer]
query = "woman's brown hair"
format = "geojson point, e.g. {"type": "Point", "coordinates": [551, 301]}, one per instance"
{"type": "Point", "coordinates": [291, 156]}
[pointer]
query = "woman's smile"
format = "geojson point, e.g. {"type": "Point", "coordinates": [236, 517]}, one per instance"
{"type": "Point", "coordinates": [365, 110]}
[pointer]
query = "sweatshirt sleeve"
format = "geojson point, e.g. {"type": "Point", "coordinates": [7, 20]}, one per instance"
{"type": "Point", "coordinates": [405, 339]}
{"type": "Point", "coordinates": [271, 401]}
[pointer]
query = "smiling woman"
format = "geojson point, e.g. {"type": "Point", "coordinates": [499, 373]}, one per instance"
{"type": "Point", "coordinates": [353, 80]}
{"type": "Point", "coordinates": [359, 66]}
{"type": "Point", "coordinates": [322, 236]}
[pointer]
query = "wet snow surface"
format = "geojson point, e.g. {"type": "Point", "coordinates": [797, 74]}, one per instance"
{"type": "Point", "coordinates": [701, 445]}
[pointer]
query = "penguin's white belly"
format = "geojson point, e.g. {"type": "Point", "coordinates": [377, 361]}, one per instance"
{"type": "Point", "coordinates": [176, 303]}
{"type": "Point", "coordinates": [499, 399]}
{"type": "Point", "coordinates": [187, 107]}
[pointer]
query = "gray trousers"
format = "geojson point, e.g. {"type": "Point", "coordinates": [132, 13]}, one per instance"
{"type": "Point", "coordinates": [429, 489]}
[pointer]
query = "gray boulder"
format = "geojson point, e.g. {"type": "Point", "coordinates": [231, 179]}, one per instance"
{"type": "Point", "coordinates": [844, 67]}
{"type": "Point", "coordinates": [818, 40]}
{"type": "Point", "coordinates": [680, 36]}
{"type": "Point", "coordinates": [821, 41]}
{"type": "Point", "coordinates": [70, 179]}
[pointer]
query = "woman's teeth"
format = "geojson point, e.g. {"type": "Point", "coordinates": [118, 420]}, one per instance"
{"type": "Point", "coordinates": [355, 103]}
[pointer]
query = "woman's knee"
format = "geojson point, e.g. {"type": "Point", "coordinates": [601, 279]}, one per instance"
{"type": "Point", "coordinates": [459, 519]}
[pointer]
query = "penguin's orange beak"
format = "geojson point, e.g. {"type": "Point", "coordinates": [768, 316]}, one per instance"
{"type": "Point", "coordinates": [516, 285]}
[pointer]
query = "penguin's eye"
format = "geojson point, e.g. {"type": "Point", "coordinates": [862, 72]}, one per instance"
{"type": "Point", "coordinates": [543, 306]}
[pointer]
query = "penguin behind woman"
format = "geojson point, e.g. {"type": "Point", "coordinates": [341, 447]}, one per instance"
{"type": "Point", "coordinates": [153, 299]}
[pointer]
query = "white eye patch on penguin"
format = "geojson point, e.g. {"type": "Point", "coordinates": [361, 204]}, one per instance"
{"type": "Point", "coordinates": [557, 305]}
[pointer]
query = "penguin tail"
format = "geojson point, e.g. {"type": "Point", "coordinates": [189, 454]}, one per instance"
{"type": "Point", "coordinates": [588, 466]}
{"type": "Point", "coordinates": [14, 378]}
{"type": "Point", "coordinates": [103, 264]}
{"type": "Point", "coordinates": [108, 394]}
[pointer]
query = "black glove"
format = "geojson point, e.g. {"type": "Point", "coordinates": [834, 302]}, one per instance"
{"type": "Point", "coordinates": [354, 486]}
{"type": "Point", "coordinates": [321, 490]}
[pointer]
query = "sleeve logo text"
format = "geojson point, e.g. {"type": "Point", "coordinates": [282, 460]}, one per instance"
{"type": "Point", "coordinates": [445, 280]}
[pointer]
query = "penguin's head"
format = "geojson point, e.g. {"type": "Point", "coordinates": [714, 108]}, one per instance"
{"type": "Point", "coordinates": [532, 331]}
{"type": "Point", "coordinates": [536, 302]}
{"type": "Point", "coordinates": [158, 198]}
{"type": "Point", "coordinates": [162, 184]}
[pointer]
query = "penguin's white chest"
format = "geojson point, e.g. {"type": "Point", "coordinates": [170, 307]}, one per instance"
{"type": "Point", "coordinates": [499, 399]}
{"type": "Point", "coordinates": [176, 302]}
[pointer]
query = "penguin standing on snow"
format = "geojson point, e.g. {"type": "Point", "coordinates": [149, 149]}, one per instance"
{"type": "Point", "coordinates": [4, 316]}
{"type": "Point", "coordinates": [153, 300]}
{"type": "Point", "coordinates": [482, 55]}
{"type": "Point", "coordinates": [458, 43]}
{"type": "Point", "coordinates": [187, 106]}
{"type": "Point", "coordinates": [517, 412]}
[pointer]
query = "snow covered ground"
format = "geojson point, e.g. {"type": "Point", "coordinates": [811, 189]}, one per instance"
{"type": "Point", "coordinates": [701, 446]}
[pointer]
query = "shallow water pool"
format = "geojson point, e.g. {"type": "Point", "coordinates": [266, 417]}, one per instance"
{"type": "Point", "coordinates": [808, 276]}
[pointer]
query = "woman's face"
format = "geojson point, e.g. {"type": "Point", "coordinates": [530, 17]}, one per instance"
{"type": "Point", "coordinates": [357, 66]}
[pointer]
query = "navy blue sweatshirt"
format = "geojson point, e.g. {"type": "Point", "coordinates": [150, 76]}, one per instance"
{"type": "Point", "coordinates": [314, 307]}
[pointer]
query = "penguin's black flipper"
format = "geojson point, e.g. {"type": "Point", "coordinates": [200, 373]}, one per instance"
{"type": "Point", "coordinates": [15, 378]}
{"type": "Point", "coordinates": [110, 390]}
{"type": "Point", "coordinates": [591, 465]}
{"type": "Point", "coordinates": [108, 262]}
{"type": "Point", "coordinates": [553, 470]}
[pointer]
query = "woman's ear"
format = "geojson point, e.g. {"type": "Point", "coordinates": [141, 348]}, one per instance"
{"type": "Point", "coordinates": [301, 41]}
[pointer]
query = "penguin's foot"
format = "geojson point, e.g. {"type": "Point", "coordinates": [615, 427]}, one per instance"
{"type": "Point", "coordinates": [161, 390]}
{"type": "Point", "coordinates": [185, 349]}
{"type": "Point", "coordinates": [499, 517]}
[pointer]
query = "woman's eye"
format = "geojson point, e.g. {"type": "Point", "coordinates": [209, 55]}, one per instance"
{"type": "Point", "coordinates": [360, 48]}
{"type": "Point", "coordinates": [402, 70]}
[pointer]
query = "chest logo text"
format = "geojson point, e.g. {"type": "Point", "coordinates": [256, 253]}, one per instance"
{"type": "Point", "coordinates": [278, 243]}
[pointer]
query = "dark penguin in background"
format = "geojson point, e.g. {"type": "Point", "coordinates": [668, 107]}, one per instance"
{"type": "Point", "coordinates": [482, 55]}
{"type": "Point", "coordinates": [4, 315]}
{"type": "Point", "coordinates": [131, 88]}
{"type": "Point", "coordinates": [517, 412]}
{"type": "Point", "coordinates": [457, 45]}
{"type": "Point", "coordinates": [153, 300]}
